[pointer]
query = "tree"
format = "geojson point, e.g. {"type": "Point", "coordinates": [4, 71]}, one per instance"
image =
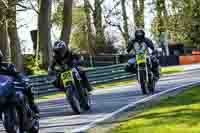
{"type": "Point", "coordinates": [138, 12]}
{"type": "Point", "coordinates": [67, 21]}
{"type": "Point", "coordinates": [12, 31]}
{"type": "Point", "coordinates": [79, 37]}
{"type": "Point", "coordinates": [44, 33]}
{"type": "Point", "coordinates": [97, 17]}
{"type": "Point", "coordinates": [96, 14]}
{"type": "Point", "coordinates": [120, 15]}
{"type": "Point", "coordinates": [90, 28]}
{"type": "Point", "coordinates": [125, 21]}
{"type": "Point", "coordinates": [4, 44]}
{"type": "Point", "coordinates": [180, 20]}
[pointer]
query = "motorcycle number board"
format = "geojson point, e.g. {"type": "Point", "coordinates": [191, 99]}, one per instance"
{"type": "Point", "coordinates": [141, 58]}
{"type": "Point", "coordinates": [66, 77]}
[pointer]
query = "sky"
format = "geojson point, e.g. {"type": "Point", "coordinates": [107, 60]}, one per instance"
{"type": "Point", "coordinates": [27, 21]}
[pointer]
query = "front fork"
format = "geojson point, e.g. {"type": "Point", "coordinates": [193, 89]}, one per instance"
{"type": "Point", "coordinates": [146, 71]}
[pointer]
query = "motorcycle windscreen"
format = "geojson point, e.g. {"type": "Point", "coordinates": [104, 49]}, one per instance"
{"type": "Point", "coordinates": [5, 85]}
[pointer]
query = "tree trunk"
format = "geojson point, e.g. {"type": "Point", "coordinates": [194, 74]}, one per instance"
{"type": "Point", "coordinates": [125, 18]}
{"type": "Point", "coordinates": [90, 29]}
{"type": "Point", "coordinates": [4, 43]}
{"type": "Point", "coordinates": [67, 23]}
{"type": "Point", "coordinates": [97, 16]}
{"type": "Point", "coordinates": [16, 55]}
{"type": "Point", "coordinates": [138, 10]}
{"type": "Point", "coordinates": [45, 32]}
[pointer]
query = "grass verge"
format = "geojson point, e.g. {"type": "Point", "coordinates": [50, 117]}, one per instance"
{"type": "Point", "coordinates": [171, 70]}
{"type": "Point", "coordinates": [174, 114]}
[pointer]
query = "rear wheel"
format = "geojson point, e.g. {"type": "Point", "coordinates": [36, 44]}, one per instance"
{"type": "Point", "coordinates": [85, 99]}
{"type": "Point", "coordinates": [143, 87]}
{"type": "Point", "coordinates": [151, 84]}
{"type": "Point", "coordinates": [11, 120]}
{"type": "Point", "coordinates": [35, 128]}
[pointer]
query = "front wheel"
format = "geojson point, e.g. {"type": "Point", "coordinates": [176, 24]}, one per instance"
{"type": "Point", "coordinates": [152, 85]}
{"type": "Point", "coordinates": [73, 98]}
{"type": "Point", "coordinates": [85, 99]}
{"type": "Point", "coordinates": [11, 120]}
{"type": "Point", "coordinates": [142, 80]}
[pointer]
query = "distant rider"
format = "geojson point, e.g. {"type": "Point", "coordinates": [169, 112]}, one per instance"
{"type": "Point", "coordinates": [140, 38]}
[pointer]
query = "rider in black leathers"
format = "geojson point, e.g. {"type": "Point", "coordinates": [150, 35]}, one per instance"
{"type": "Point", "coordinates": [63, 57]}
{"type": "Point", "coordinates": [10, 69]}
{"type": "Point", "coordinates": [140, 38]}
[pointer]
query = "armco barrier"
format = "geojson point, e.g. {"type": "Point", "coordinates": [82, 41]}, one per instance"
{"type": "Point", "coordinates": [98, 75]}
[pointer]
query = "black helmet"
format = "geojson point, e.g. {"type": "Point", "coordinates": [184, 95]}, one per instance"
{"type": "Point", "coordinates": [139, 35]}
{"type": "Point", "coordinates": [60, 48]}
{"type": "Point", "coordinates": [1, 56]}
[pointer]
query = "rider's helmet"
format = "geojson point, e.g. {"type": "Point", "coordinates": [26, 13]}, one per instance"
{"type": "Point", "coordinates": [139, 35]}
{"type": "Point", "coordinates": [60, 48]}
{"type": "Point", "coordinates": [1, 56]}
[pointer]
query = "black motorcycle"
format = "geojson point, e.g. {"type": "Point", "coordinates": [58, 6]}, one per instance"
{"type": "Point", "coordinates": [16, 114]}
{"type": "Point", "coordinates": [72, 84]}
{"type": "Point", "coordinates": [144, 73]}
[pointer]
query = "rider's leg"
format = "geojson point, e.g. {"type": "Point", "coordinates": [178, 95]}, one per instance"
{"type": "Point", "coordinates": [28, 92]}
{"type": "Point", "coordinates": [155, 67]}
{"type": "Point", "coordinates": [86, 82]}
{"type": "Point", "coordinates": [30, 96]}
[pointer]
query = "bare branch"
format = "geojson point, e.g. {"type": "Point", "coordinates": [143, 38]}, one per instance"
{"type": "Point", "coordinates": [22, 10]}
{"type": "Point", "coordinates": [23, 25]}
{"type": "Point", "coordinates": [89, 5]}
{"type": "Point", "coordinates": [22, 6]}
{"type": "Point", "coordinates": [33, 7]}
{"type": "Point", "coordinates": [111, 10]}
{"type": "Point", "coordinates": [101, 2]}
{"type": "Point", "coordinates": [114, 25]}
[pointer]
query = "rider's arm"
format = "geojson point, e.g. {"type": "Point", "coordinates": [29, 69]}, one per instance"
{"type": "Point", "coordinates": [8, 68]}
{"type": "Point", "coordinates": [76, 59]}
{"type": "Point", "coordinates": [130, 45]}
{"type": "Point", "coordinates": [149, 44]}
{"type": "Point", "coordinates": [52, 65]}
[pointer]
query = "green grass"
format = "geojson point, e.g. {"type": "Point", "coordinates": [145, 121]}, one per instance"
{"type": "Point", "coordinates": [174, 114]}
{"type": "Point", "coordinates": [170, 70]}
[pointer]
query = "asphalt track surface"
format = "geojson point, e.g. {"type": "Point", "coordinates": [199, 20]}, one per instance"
{"type": "Point", "coordinates": [57, 116]}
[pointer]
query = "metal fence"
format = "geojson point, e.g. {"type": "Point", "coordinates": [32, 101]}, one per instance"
{"type": "Point", "coordinates": [106, 60]}
{"type": "Point", "coordinates": [98, 75]}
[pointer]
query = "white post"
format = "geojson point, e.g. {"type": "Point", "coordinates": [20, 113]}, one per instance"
{"type": "Point", "coordinates": [91, 61]}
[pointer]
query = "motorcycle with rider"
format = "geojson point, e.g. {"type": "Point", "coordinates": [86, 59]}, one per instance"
{"type": "Point", "coordinates": [66, 73]}
{"type": "Point", "coordinates": [143, 62]}
{"type": "Point", "coordinates": [18, 112]}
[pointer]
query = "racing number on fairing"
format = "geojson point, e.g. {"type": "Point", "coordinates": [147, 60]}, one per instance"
{"type": "Point", "coordinates": [141, 58]}
{"type": "Point", "coordinates": [66, 77]}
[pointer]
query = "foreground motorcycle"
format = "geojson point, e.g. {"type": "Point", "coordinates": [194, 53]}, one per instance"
{"type": "Point", "coordinates": [144, 73]}
{"type": "Point", "coordinates": [76, 94]}
{"type": "Point", "coordinates": [16, 114]}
